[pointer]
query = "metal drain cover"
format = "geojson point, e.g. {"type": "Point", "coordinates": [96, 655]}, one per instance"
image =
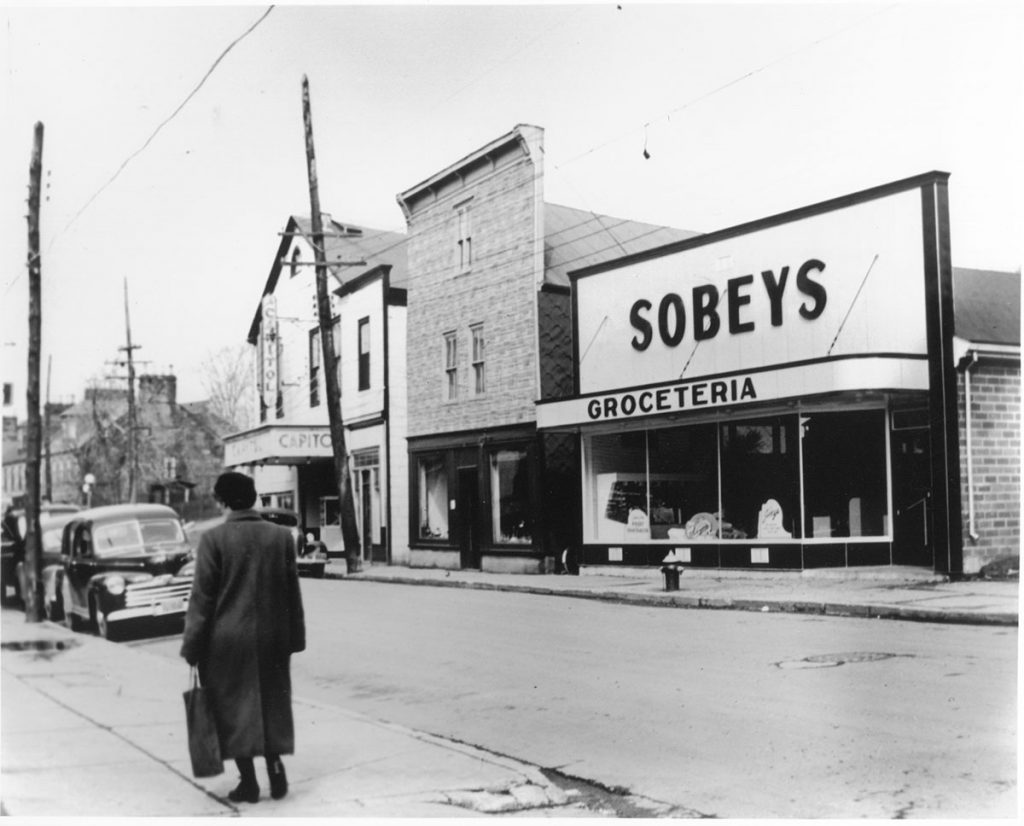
{"type": "Point", "coordinates": [833, 660]}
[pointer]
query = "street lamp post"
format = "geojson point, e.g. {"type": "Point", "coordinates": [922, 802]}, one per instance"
{"type": "Point", "coordinates": [89, 480]}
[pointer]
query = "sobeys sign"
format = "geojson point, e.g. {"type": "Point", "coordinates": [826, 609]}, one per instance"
{"type": "Point", "coordinates": [815, 302]}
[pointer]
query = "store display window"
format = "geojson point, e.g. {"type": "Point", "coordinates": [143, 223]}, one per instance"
{"type": "Point", "coordinates": [511, 518]}
{"type": "Point", "coordinates": [433, 497]}
{"type": "Point", "coordinates": [740, 480]}
{"type": "Point", "coordinates": [844, 459]}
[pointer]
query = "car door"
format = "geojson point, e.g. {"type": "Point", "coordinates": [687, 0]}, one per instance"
{"type": "Point", "coordinates": [78, 569]}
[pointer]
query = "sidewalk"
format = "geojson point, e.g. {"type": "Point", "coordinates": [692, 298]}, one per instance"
{"type": "Point", "coordinates": [93, 728]}
{"type": "Point", "coordinates": [884, 592]}
{"type": "Point", "coordinates": [97, 728]}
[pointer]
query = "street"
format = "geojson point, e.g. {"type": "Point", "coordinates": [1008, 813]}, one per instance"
{"type": "Point", "coordinates": [714, 713]}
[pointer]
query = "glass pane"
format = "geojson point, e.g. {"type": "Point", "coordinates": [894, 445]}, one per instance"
{"type": "Point", "coordinates": [844, 474]}
{"type": "Point", "coordinates": [760, 479]}
{"type": "Point", "coordinates": [433, 496]}
{"type": "Point", "coordinates": [510, 497]}
{"type": "Point", "coordinates": [616, 488]}
{"type": "Point", "coordinates": [684, 483]}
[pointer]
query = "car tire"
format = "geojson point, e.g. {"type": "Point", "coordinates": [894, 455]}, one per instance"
{"type": "Point", "coordinates": [99, 619]}
{"type": "Point", "coordinates": [53, 609]}
{"type": "Point", "coordinates": [71, 619]}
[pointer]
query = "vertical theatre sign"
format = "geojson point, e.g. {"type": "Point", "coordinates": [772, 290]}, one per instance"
{"type": "Point", "coordinates": [268, 351]}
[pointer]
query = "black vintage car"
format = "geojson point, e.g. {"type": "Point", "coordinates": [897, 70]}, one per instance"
{"type": "Point", "coordinates": [310, 553]}
{"type": "Point", "coordinates": [52, 518]}
{"type": "Point", "coordinates": [120, 564]}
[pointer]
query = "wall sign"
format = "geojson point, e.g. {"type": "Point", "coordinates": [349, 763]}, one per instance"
{"type": "Point", "coordinates": [268, 350]}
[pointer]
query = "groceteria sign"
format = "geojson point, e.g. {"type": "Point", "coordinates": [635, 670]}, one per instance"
{"type": "Point", "coordinates": [821, 300]}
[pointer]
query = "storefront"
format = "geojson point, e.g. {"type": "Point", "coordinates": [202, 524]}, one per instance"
{"type": "Point", "coordinates": [777, 395]}
{"type": "Point", "coordinates": [474, 498]}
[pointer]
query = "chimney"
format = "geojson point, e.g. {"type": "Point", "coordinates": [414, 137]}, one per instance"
{"type": "Point", "coordinates": [162, 388]}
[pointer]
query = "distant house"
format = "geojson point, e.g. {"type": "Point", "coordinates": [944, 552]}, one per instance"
{"type": "Point", "coordinates": [179, 450]}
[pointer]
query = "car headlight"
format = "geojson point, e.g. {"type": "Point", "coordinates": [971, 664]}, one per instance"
{"type": "Point", "coordinates": [114, 585]}
{"type": "Point", "coordinates": [188, 569]}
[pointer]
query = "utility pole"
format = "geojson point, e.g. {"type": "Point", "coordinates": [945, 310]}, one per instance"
{"type": "Point", "coordinates": [133, 448]}
{"type": "Point", "coordinates": [349, 530]}
{"type": "Point", "coordinates": [46, 431]}
{"type": "Point", "coordinates": [33, 589]}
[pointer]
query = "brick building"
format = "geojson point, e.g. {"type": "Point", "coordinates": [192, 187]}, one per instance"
{"type": "Point", "coordinates": [489, 335]}
{"type": "Point", "coordinates": [987, 348]}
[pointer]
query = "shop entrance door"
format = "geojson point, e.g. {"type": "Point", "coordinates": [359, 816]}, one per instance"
{"type": "Point", "coordinates": [468, 513]}
{"type": "Point", "coordinates": [366, 513]}
{"type": "Point", "coordinates": [912, 498]}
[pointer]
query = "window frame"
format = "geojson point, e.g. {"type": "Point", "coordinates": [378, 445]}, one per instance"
{"type": "Point", "coordinates": [477, 358]}
{"type": "Point", "coordinates": [364, 348]}
{"type": "Point", "coordinates": [450, 345]}
{"type": "Point", "coordinates": [463, 237]}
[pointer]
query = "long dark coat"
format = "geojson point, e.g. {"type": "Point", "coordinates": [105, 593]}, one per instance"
{"type": "Point", "coordinates": [244, 622]}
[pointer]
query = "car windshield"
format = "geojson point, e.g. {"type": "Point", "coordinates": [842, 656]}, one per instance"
{"type": "Point", "coordinates": [136, 535]}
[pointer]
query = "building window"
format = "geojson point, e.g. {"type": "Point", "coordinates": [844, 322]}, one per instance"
{"type": "Point", "coordinates": [451, 368]}
{"type": "Point", "coordinates": [314, 367]}
{"type": "Point", "coordinates": [433, 497]}
{"type": "Point", "coordinates": [8, 394]}
{"type": "Point", "coordinates": [761, 478]}
{"type": "Point", "coordinates": [463, 238]}
{"type": "Point", "coordinates": [510, 498]}
{"type": "Point", "coordinates": [740, 480]}
{"type": "Point", "coordinates": [364, 354]}
{"type": "Point", "coordinates": [294, 265]}
{"type": "Point", "coordinates": [844, 474]}
{"type": "Point", "coordinates": [479, 377]}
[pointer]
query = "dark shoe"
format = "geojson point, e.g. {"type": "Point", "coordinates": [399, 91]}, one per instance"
{"type": "Point", "coordinates": [278, 779]}
{"type": "Point", "coordinates": [245, 793]}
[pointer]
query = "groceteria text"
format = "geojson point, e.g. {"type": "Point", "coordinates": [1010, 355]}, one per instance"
{"type": "Point", "coordinates": [669, 399]}
{"type": "Point", "coordinates": [704, 306]}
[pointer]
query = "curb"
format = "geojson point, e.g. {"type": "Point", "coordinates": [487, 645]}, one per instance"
{"type": "Point", "coordinates": [856, 611]}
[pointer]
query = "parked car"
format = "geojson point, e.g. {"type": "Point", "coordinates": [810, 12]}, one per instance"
{"type": "Point", "coordinates": [52, 518]}
{"type": "Point", "coordinates": [310, 553]}
{"type": "Point", "coordinates": [120, 564]}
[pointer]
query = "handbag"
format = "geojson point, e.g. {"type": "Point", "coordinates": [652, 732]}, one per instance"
{"type": "Point", "coordinates": [203, 742]}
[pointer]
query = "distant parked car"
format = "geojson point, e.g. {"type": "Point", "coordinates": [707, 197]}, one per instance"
{"type": "Point", "coordinates": [120, 564]}
{"type": "Point", "coordinates": [310, 554]}
{"type": "Point", "coordinates": [52, 518]}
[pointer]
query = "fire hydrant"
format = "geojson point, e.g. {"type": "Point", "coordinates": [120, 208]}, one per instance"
{"type": "Point", "coordinates": [671, 567]}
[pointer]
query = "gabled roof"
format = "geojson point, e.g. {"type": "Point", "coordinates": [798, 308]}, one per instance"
{"type": "Point", "coordinates": [343, 243]}
{"type": "Point", "coordinates": [577, 238]}
{"type": "Point", "coordinates": [986, 306]}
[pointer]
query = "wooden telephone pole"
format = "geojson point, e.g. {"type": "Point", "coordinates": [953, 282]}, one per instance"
{"type": "Point", "coordinates": [33, 590]}
{"type": "Point", "coordinates": [349, 530]}
{"type": "Point", "coordinates": [133, 445]}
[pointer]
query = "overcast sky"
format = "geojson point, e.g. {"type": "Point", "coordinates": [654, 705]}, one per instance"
{"type": "Point", "coordinates": [745, 110]}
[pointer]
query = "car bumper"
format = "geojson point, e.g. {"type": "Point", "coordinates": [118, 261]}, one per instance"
{"type": "Point", "coordinates": [160, 610]}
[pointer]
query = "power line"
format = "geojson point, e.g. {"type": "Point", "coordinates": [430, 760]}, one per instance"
{"type": "Point", "coordinates": [167, 120]}
{"type": "Point", "coordinates": [668, 115]}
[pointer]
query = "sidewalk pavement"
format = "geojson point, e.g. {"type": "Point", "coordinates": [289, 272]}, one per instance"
{"type": "Point", "coordinates": [90, 727]}
{"type": "Point", "coordinates": [883, 592]}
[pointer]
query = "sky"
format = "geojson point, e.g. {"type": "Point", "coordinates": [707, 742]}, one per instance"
{"type": "Point", "coordinates": [174, 148]}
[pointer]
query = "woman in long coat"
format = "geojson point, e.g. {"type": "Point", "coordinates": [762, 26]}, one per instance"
{"type": "Point", "coordinates": [244, 621]}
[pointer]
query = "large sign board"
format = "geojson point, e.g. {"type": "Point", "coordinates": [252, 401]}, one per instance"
{"type": "Point", "coordinates": [830, 300]}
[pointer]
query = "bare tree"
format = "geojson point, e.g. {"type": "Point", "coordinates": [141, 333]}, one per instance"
{"type": "Point", "coordinates": [228, 379]}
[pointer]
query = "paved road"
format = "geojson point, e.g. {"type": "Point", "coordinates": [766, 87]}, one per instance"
{"type": "Point", "coordinates": [717, 713]}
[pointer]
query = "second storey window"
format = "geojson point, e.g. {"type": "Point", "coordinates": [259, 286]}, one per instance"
{"type": "Point", "coordinates": [364, 354]}
{"type": "Point", "coordinates": [451, 370]}
{"type": "Point", "coordinates": [464, 238]}
{"type": "Point", "coordinates": [314, 367]}
{"type": "Point", "coordinates": [479, 376]}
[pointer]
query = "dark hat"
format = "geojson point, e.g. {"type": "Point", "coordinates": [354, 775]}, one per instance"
{"type": "Point", "coordinates": [236, 490]}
